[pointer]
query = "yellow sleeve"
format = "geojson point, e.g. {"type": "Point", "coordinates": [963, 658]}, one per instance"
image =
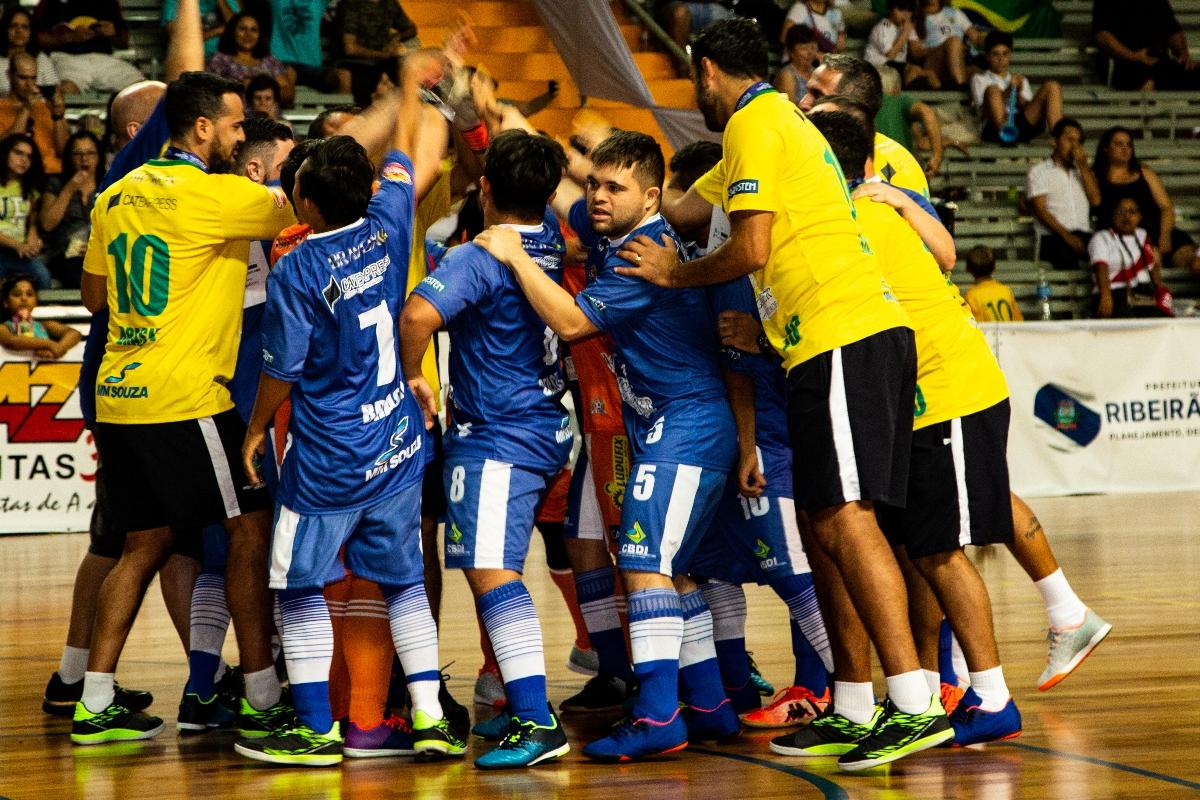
{"type": "Point", "coordinates": [752, 167]}
{"type": "Point", "coordinates": [95, 259]}
{"type": "Point", "coordinates": [249, 211]}
{"type": "Point", "coordinates": [711, 185]}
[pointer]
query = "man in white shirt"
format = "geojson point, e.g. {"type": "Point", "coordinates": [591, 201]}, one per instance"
{"type": "Point", "coordinates": [1061, 192]}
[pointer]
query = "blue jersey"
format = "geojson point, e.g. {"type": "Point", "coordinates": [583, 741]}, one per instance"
{"type": "Point", "coordinates": [665, 354]}
{"type": "Point", "coordinates": [770, 394]}
{"type": "Point", "coordinates": [506, 385]}
{"type": "Point", "coordinates": [330, 330]}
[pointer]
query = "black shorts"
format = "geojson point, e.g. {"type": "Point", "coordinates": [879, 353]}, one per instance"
{"type": "Point", "coordinates": [107, 541]}
{"type": "Point", "coordinates": [850, 413]}
{"type": "Point", "coordinates": [433, 492]}
{"type": "Point", "coordinates": [958, 490]}
{"type": "Point", "coordinates": [184, 474]}
{"type": "Point", "coordinates": [1026, 130]}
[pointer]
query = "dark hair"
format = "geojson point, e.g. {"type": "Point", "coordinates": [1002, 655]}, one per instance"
{"type": "Point", "coordinates": [316, 128]}
{"type": "Point", "coordinates": [259, 82]}
{"type": "Point", "coordinates": [291, 165]}
{"type": "Point", "coordinates": [981, 261]}
{"type": "Point", "coordinates": [337, 178]}
{"type": "Point", "coordinates": [194, 95]}
{"type": "Point", "coordinates": [69, 164]}
{"type": "Point", "coordinates": [1100, 163]}
{"type": "Point", "coordinates": [227, 44]}
{"type": "Point", "coordinates": [799, 34]}
{"type": "Point", "coordinates": [261, 132]}
{"type": "Point", "coordinates": [633, 149]}
{"type": "Point", "coordinates": [6, 20]}
{"type": "Point", "coordinates": [736, 45]}
{"type": "Point", "coordinates": [470, 219]}
{"type": "Point", "coordinates": [31, 181]}
{"type": "Point", "coordinates": [902, 5]}
{"type": "Point", "coordinates": [995, 38]}
{"type": "Point", "coordinates": [693, 160]}
{"type": "Point", "coordinates": [11, 282]}
{"type": "Point", "coordinates": [523, 170]}
{"type": "Point", "coordinates": [852, 107]}
{"type": "Point", "coordinates": [846, 137]}
{"type": "Point", "coordinates": [858, 80]}
{"type": "Point", "coordinates": [1063, 124]}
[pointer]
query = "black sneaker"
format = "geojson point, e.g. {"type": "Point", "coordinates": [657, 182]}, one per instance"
{"type": "Point", "coordinates": [253, 723]}
{"type": "Point", "coordinates": [232, 686]}
{"type": "Point", "coordinates": [114, 724]}
{"type": "Point", "coordinates": [601, 693]}
{"type": "Point", "coordinates": [455, 712]}
{"type": "Point", "coordinates": [60, 698]}
{"type": "Point", "coordinates": [197, 715]}
{"type": "Point", "coordinates": [299, 746]}
{"type": "Point", "coordinates": [897, 735]}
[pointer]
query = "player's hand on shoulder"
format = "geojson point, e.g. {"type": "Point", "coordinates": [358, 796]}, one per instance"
{"type": "Point", "coordinates": [651, 261]}
{"type": "Point", "coordinates": [881, 192]}
{"type": "Point", "coordinates": [739, 329]}
{"type": "Point", "coordinates": [503, 243]}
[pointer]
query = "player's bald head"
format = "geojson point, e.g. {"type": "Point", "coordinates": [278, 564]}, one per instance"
{"type": "Point", "coordinates": [132, 106]}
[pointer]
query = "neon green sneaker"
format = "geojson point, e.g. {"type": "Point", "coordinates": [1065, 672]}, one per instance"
{"type": "Point", "coordinates": [898, 735]}
{"type": "Point", "coordinates": [435, 736]}
{"type": "Point", "coordinates": [253, 723]}
{"type": "Point", "coordinates": [114, 724]}
{"type": "Point", "coordinates": [829, 734]}
{"type": "Point", "coordinates": [299, 746]}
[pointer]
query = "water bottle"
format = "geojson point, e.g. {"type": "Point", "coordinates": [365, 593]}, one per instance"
{"type": "Point", "coordinates": [1043, 293]}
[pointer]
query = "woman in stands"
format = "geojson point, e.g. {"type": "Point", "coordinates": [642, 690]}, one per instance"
{"type": "Point", "coordinates": [244, 52]}
{"type": "Point", "coordinates": [825, 20]}
{"type": "Point", "coordinates": [16, 36]}
{"type": "Point", "coordinates": [67, 206]}
{"type": "Point", "coordinates": [21, 179]}
{"type": "Point", "coordinates": [1121, 175]}
{"type": "Point", "coordinates": [945, 33]}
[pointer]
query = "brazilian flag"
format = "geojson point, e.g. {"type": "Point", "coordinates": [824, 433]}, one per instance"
{"type": "Point", "coordinates": [1033, 19]}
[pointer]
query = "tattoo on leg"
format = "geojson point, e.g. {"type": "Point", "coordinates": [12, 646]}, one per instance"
{"type": "Point", "coordinates": [1035, 528]}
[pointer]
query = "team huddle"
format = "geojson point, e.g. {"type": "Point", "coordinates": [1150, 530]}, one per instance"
{"type": "Point", "coordinates": [775, 379]}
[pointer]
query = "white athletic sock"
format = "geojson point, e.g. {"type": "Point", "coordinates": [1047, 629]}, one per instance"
{"type": "Point", "coordinates": [854, 701]}
{"type": "Point", "coordinates": [934, 679]}
{"type": "Point", "coordinates": [991, 688]}
{"type": "Point", "coordinates": [909, 692]}
{"type": "Point", "coordinates": [262, 688]}
{"type": "Point", "coordinates": [415, 638]}
{"type": "Point", "coordinates": [99, 690]}
{"type": "Point", "coordinates": [958, 659]}
{"type": "Point", "coordinates": [73, 664]}
{"type": "Point", "coordinates": [210, 614]}
{"type": "Point", "coordinates": [1063, 606]}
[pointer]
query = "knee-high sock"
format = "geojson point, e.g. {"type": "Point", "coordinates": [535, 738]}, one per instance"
{"type": "Point", "coordinates": [656, 634]}
{"type": "Point", "coordinates": [810, 670]}
{"type": "Point", "coordinates": [337, 600]}
{"type": "Point", "coordinates": [801, 598]}
{"type": "Point", "coordinates": [727, 602]}
{"type": "Point", "coordinates": [512, 625]}
{"type": "Point", "coordinates": [415, 636]}
{"type": "Point", "coordinates": [308, 651]}
{"type": "Point", "coordinates": [209, 624]}
{"type": "Point", "coordinates": [699, 673]}
{"type": "Point", "coordinates": [946, 672]}
{"type": "Point", "coordinates": [598, 602]}
{"type": "Point", "coordinates": [366, 648]}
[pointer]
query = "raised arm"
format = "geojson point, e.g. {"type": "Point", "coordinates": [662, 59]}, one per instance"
{"type": "Point", "coordinates": [185, 50]}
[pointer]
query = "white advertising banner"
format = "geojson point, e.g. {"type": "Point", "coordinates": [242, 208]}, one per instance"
{"type": "Point", "coordinates": [47, 457]}
{"type": "Point", "coordinates": [1102, 406]}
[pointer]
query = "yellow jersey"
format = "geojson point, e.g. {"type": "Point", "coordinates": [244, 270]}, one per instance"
{"type": "Point", "coordinates": [822, 287]}
{"type": "Point", "coordinates": [173, 243]}
{"type": "Point", "coordinates": [432, 207]}
{"type": "Point", "coordinates": [957, 374]}
{"type": "Point", "coordinates": [899, 167]}
{"type": "Point", "coordinates": [992, 301]}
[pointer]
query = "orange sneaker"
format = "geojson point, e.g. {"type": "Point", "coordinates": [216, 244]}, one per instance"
{"type": "Point", "coordinates": [951, 695]}
{"type": "Point", "coordinates": [792, 706]}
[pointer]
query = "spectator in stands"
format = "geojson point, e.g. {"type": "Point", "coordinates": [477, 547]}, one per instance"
{"type": "Point", "coordinates": [373, 35]}
{"type": "Point", "coordinates": [66, 207]}
{"type": "Point", "coordinates": [1120, 175]}
{"type": "Point", "coordinates": [17, 28]}
{"type": "Point", "coordinates": [989, 299]}
{"type": "Point", "coordinates": [898, 114]}
{"type": "Point", "coordinates": [81, 36]}
{"type": "Point", "coordinates": [1061, 191]}
{"type": "Point", "coordinates": [20, 185]}
{"type": "Point", "coordinates": [825, 20]}
{"type": "Point", "coordinates": [800, 46]}
{"type": "Point", "coordinates": [944, 33]}
{"type": "Point", "coordinates": [1011, 111]}
{"type": "Point", "coordinates": [296, 41]}
{"type": "Point", "coordinates": [888, 46]}
{"type": "Point", "coordinates": [1148, 47]}
{"type": "Point", "coordinates": [1127, 268]}
{"type": "Point", "coordinates": [213, 16]}
{"type": "Point", "coordinates": [263, 97]}
{"type": "Point", "coordinates": [46, 338]}
{"type": "Point", "coordinates": [243, 53]}
{"type": "Point", "coordinates": [24, 110]}
{"type": "Point", "coordinates": [682, 19]}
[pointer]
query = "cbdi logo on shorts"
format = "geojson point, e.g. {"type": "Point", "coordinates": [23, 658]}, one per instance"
{"type": "Point", "coordinates": [1066, 414]}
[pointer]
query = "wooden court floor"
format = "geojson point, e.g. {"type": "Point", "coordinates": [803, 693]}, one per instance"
{"type": "Point", "coordinates": [1127, 724]}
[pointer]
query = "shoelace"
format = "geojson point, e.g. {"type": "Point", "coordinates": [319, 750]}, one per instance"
{"type": "Point", "coordinates": [518, 733]}
{"type": "Point", "coordinates": [108, 714]}
{"type": "Point", "coordinates": [398, 723]}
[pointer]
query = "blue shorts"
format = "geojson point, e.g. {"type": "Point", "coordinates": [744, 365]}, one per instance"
{"type": "Point", "coordinates": [667, 509]}
{"type": "Point", "coordinates": [490, 510]}
{"type": "Point", "coordinates": [383, 544]}
{"type": "Point", "coordinates": [751, 540]}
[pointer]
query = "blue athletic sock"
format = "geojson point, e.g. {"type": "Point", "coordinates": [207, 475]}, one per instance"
{"type": "Point", "coordinates": [699, 673]}
{"type": "Point", "coordinates": [798, 592]}
{"type": "Point", "coordinates": [415, 636]}
{"type": "Point", "coordinates": [810, 672]}
{"type": "Point", "coordinates": [727, 602]}
{"type": "Point", "coordinates": [656, 633]}
{"type": "Point", "coordinates": [512, 625]}
{"type": "Point", "coordinates": [946, 655]}
{"type": "Point", "coordinates": [596, 590]}
{"type": "Point", "coordinates": [208, 625]}
{"type": "Point", "coordinates": [308, 651]}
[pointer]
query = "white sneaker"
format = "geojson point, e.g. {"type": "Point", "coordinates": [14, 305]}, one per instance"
{"type": "Point", "coordinates": [1069, 647]}
{"type": "Point", "coordinates": [489, 689]}
{"type": "Point", "coordinates": [584, 662]}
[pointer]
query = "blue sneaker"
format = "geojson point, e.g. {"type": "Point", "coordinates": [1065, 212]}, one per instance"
{"type": "Point", "coordinates": [765, 689]}
{"type": "Point", "coordinates": [494, 729]}
{"type": "Point", "coordinates": [720, 724]}
{"type": "Point", "coordinates": [632, 739]}
{"type": "Point", "coordinates": [527, 744]}
{"type": "Point", "coordinates": [973, 725]}
{"type": "Point", "coordinates": [198, 715]}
